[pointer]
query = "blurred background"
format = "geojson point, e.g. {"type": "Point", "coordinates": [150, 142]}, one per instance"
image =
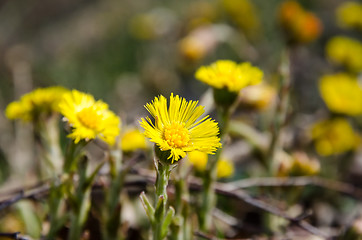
{"type": "Point", "coordinates": [126, 52]}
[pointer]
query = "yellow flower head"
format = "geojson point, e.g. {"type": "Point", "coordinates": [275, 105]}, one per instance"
{"type": "Point", "coordinates": [342, 93]}
{"type": "Point", "coordinates": [349, 15]}
{"type": "Point", "coordinates": [176, 128]}
{"type": "Point", "coordinates": [132, 140]}
{"type": "Point", "coordinates": [89, 118]}
{"type": "Point", "coordinates": [224, 167]}
{"type": "Point", "coordinates": [33, 104]}
{"type": "Point", "coordinates": [230, 75]}
{"type": "Point", "coordinates": [198, 160]}
{"type": "Point", "coordinates": [334, 136]}
{"type": "Point", "coordinates": [345, 51]}
{"type": "Point", "coordinates": [244, 14]}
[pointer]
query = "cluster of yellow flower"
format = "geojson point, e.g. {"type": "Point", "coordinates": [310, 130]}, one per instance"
{"type": "Point", "coordinates": [342, 93]}
{"type": "Point", "coordinates": [224, 167]}
{"type": "Point", "coordinates": [88, 118]}
{"type": "Point", "coordinates": [301, 26]}
{"type": "Point", "coordinates": [334, 136]}
{"type": "Point", "coordinates": [349, 15]}
{"type": "Point", "coordinates": [175, 130]}
{"type": "Point", "coordinates": [244, 14]}
{"type": "Point", "coordinates": [42, 101]}
{"type": "Point", "coordinates": [345, 51]}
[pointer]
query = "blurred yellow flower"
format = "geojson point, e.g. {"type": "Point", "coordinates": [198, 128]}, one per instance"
{"type": "Point", "coordinates": [299, 164]}
{"type": "Point", "coordinates": [257, 97]}
{"type": "Point", "coordinates": [18, 110]}
{"type": "Point", "coordinates": [342, 93]}
{"type": "Point", "coordinates": [228, 74]}
{"type": "Point", "coordinates": [89, 118]}
{"type": "Point", "coordinates": [199, 42]}
{"type": "Point", "coordinates": [345, 51]}
{"type": "Point", "coordinates": [349, 15]}
{"type": "Point", "coordinates": [288, 10]}
{"type": "Point", "coordinates": [307, 27]}
{"type": "Point", "coordinates": [300, 25]}
{"type": "Point", "coordinates": [334, 136]}
{"type": "Point", "coordinates": [244, 14]}
{"type": "Point", "coordinates": [132, 140]}
{"type": "Point", "coordinates": [176, 128]}
{"type": "Point", "coordinates": [224, 167]}
{"type": "Point", "coordinates": [33, 104]}
{"type": "Point", "coordinates": [198, 160]}
{"type": "Point", "coordinates": [192, 48]}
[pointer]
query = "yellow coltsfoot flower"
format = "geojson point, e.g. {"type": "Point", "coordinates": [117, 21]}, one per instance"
{"type": "Point", "coordinates": [224, 167]}
{"type": "Point", "coordinates": [198, 160]}
{"type": "Point", "coordinates": [228, 74]}
{"type": "Point", "coordinates": [176, 128]}
{"type": "Point", "coordinates": [349, 15]}
{"type": "Point", "coordinates": [345, 51]}
{"type": "Point", "coordinates": [132, 140]}
{"type": "Point", "coordinates": [342, 93]}
{"type": "Point", "coordinates": [41, 101]}
{"type": "Point", "coordinates": [334, 136]}
{"type": "Point", "coordinates": [88, 118]}
{"type": "Point", "coordinates": [244, 14]}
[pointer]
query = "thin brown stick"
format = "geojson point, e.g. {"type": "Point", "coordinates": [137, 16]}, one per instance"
{"type": "Point", "coordinates": [241, 195]}
{"type": "Point", "coordinates": [297, 181]}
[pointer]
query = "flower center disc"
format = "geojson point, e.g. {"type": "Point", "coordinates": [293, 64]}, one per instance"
{"type": "Point", "coordinates": [89, 118]}
{"type": "Point", "coordinates": [176, 135]}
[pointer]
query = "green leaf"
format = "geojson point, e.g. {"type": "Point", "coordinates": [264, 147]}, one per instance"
{"type": "Point", "coordinates": [167, 221]}
{"type": "Point", "coordinates": [160, 209]}
{"type": "Point", "coordinates": [90, 179]}
{"type": "Point", "coordinates": [150, 211]}
{"type": "Point", "coordinates": [30, 219]}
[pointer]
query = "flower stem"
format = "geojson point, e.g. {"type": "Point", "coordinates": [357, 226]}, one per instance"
{"type": "Point", "coordinates": [80, 216]}
{"type": "Point", "coordinates": [280, 112]}
{"type": "Point", "coordinates": [210, 177]}
{"type": "Point", "coordinates": [180, 229]}
{"type": "Point", "coordinates": [208, 194]}
{"type": "Point", "coordinates": [72, 154]}
{"type": "Point", "coordinates": [111, 210]}
{"type": "Point", "coordinates": [163, 175]}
